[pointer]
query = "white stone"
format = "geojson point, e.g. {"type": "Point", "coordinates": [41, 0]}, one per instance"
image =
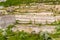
{"type": "Point", "coordinates": [2, 0]}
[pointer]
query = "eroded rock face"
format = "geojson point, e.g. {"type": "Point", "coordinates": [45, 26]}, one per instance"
{"type": "Point", "coordinates": [2, 12]}
{"type": "Point", "coordinates": [6, 20]}
{"type": "Point", "coordinates": [10, 9]}
{"type": "Point", "coordinates": [36, 29]}
{"type": "Point", "coordinates": [36, 18]}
